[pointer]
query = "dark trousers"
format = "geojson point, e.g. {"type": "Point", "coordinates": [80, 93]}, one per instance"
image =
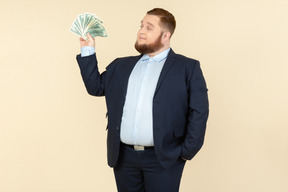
{"type": "Point", "coordinates": [140, 171]}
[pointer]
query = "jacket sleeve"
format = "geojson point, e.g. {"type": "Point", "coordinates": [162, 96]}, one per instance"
{"type": "Point", "coordinates": [93, 80]}
{"type": "Point", "coordinates": [197, 114]}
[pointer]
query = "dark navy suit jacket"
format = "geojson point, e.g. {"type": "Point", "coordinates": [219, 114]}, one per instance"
{"type": "Point", "coordinates": [180, 104]}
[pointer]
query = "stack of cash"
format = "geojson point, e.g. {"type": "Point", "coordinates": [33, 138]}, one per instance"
{"type": "Point", "coordinates": [88, 23]}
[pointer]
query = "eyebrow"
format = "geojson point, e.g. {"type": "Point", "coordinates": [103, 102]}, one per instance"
{"type": "Point", "coordinates": [148, 23]}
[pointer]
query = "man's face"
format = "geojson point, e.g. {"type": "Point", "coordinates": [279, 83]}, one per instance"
{"type": "Point", "coordinates": [149, 37]}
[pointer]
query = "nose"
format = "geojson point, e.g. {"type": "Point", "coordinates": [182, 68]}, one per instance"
{"type": "Point", "coordinates": [141, 32]}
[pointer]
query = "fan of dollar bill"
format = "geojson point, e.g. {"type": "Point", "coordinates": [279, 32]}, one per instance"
{"type": "Point", "coordinates": [88, 23]}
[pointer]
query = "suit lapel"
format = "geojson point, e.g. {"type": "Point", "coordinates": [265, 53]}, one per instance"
{"type": "Point", "coordinates": [171, 58]}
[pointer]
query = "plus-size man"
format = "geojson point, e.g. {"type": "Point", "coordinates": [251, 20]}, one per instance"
{"type": "Point", "coordinates": [157, 107]}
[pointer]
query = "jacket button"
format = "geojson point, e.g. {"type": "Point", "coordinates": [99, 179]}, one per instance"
{"type": "Point", "coordinates": [117, 128]}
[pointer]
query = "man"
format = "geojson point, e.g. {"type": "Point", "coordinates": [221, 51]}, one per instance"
{"type": "Point", "coordinates": [157, 107]}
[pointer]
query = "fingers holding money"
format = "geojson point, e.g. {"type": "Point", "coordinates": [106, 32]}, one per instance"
{"type": "Point", "coordinates": [83, 42]}
{"type": "Point", "coordinates": [89, 42]}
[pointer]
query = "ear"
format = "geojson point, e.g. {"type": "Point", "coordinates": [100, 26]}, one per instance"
{"type": "Point", "coordinates": [166, 36]}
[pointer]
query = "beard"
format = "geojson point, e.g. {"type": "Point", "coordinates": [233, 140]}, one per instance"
{"type": "Point", "coordinates": [149, 48]}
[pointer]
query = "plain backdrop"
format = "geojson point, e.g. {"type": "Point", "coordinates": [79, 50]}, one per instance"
{"type": "Point", "coordinates": [52, 133]}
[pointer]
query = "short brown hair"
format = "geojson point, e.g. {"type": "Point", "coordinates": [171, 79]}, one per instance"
{"type": "Point", "coordinates": [166, 18]}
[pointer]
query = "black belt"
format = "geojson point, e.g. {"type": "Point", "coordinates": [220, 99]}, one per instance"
{"type": "Point", "coordinates": [138, 147]}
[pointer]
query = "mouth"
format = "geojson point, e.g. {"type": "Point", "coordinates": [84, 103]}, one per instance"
{"type": "Point", "coordinates": [142, 38]}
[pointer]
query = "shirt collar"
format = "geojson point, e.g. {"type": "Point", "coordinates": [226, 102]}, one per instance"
{"type": "Point", "coordinates": [158, 58]}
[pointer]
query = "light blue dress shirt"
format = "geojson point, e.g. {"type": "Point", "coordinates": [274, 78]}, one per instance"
{"type": "Point", "coordinates": [87, 51]}
{"type": "Point", "coordinates": [137, 118]}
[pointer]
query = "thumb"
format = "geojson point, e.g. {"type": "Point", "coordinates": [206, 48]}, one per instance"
{"type": "Point", "coordinates": [90, 38]}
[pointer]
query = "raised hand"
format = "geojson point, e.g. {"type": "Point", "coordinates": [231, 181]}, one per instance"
{"type": "Point", "coordinates": [89, 42]}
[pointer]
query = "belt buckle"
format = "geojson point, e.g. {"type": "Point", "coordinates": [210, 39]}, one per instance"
{"type": "Point", "coordinates": [139, 148]}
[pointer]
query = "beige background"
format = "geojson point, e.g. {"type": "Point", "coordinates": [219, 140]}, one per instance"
{"type": "Point", "coordinates": [52, 133]}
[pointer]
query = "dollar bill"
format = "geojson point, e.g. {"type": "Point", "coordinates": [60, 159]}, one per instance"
{"type": "Point", "coordinates": [88, 23]}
